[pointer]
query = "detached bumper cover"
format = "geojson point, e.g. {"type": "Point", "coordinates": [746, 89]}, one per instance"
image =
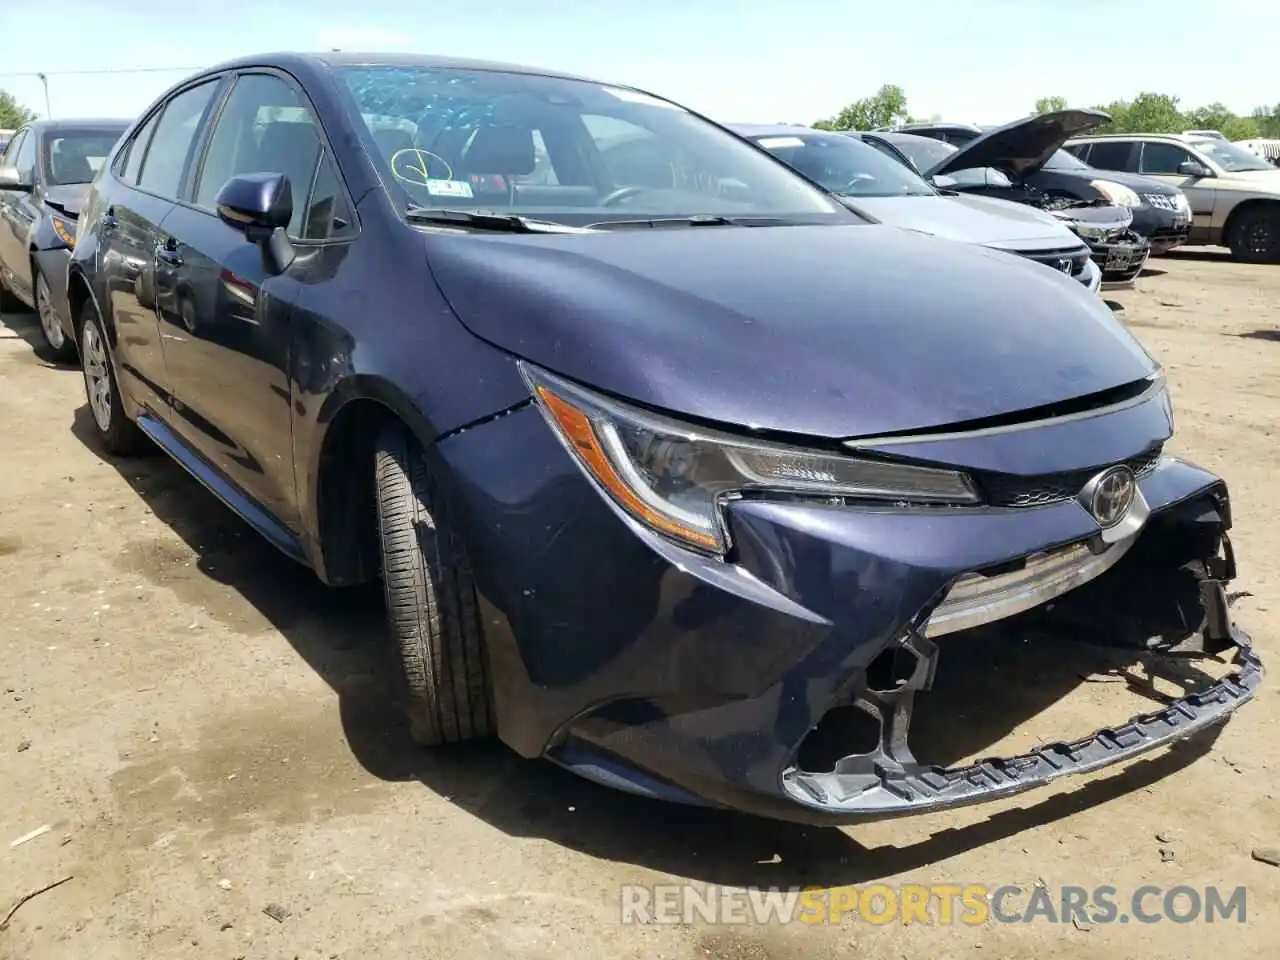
{"type": "Point", "coordinates": [883, 790]}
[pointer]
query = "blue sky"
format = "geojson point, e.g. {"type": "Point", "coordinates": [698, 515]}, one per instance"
{"type": "Point", "coordinates": [984, 61]}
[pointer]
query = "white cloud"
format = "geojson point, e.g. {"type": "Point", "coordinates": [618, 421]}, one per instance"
{"type": "Point", "coordinates": [362, 38]}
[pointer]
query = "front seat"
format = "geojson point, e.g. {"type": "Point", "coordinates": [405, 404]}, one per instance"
{"type": "Point", "coordinates": [495, 155]}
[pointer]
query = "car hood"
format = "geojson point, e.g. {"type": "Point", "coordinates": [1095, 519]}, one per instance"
{"type": "Point", "coordinates": [970, 219]}
{"type": "Point", "coordinates": [1268, 180]}
{"type": "Point", "coordinates": [823, 331]}
{"type": "Point", "coordinates": [1024, 146]}
{"type": "Point", "coordinates": [68, 198]}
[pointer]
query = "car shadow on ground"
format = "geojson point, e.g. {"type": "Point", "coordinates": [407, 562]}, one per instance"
{"type": "Point", "coordinates": [340, 634]}
{"type": "Point", "coordinates": [1261, 335]}
{"type": "Point", "coordinates": [25, 326]}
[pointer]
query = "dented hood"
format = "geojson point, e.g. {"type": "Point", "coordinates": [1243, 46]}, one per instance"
{"type": "Point", "coordinates": [1024, 146]}
{"type": "Point", "coordinates": [822, 331]}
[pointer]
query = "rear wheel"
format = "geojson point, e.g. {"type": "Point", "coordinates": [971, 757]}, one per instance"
{"type": "Point", "coordinates": [116, 432]}
{"type": "Point", "coordinates": [1255, 235]}
{"type": "Point", "coordinates": [57, 345]}
{"type": "Point", "coordinates": [431, 599]}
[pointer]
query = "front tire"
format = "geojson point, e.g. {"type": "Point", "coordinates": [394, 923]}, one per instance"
{"type": "Point", "coordinates": [1255, 235]}
{"type": "Point", "coordinates": [431, 600]}
{"type": "Point", "coordinates": [116, 432]}
{"type": "Point", "coordinates": [56, 345]}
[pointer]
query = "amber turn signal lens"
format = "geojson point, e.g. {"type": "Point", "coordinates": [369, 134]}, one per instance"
{"type": "Point", "coordinates": [581, 434]}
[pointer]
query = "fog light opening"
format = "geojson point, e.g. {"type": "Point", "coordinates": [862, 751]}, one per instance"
{"type": "Point", "coordinates": [892, 670]}
{"type": "Point", "coordinates": [842, 732]}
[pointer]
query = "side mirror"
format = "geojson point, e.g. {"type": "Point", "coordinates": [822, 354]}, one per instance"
{"type": "Point", "coordinates": [944, 182]}
{"type": "Point", "coordinates": [11, 179]}
{"type": "Point", "coordinates": [260, 205]}
{"type": "Point", "coordinates": [1192, 168]}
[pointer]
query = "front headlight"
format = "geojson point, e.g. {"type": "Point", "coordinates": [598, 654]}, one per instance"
{"type": "Point", "coordinates": [64, 228]}
{"type": "Point", "coordinates": [673, 477]}
{"type": "Point", "coordinates": [1117, 193]}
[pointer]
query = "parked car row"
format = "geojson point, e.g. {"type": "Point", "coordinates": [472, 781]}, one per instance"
{"type": "Point", "coordinates": [677, 469]}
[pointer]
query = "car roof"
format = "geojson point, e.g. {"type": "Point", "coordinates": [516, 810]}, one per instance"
{"type": "Point", "coordinates": [902, 136]}
{"type": "Point", "coordinates": [334, 58]}
{"type": "Point", "coordinates": [79, 123]}
{"type": "Point", "coordinates": [774, 130]}
{"type": "Point", "coordinates": [1180, 137]}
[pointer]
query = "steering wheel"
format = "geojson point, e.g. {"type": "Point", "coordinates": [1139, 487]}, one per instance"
{"type": "Point", "coordinates": [622, 193]}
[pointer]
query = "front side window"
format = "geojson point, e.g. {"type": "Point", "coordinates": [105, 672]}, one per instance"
{"type": "Point", "coordinates": [845, 166]}
{"type": "Point", "coordinates": [170, 147]}
{"type": "Point", "coordinates": [571, 151]}
{"type": "Point", "coordinates": [264, 127]}
{"type": "Point", "coordinates": [1232, 157]}
{"type": "Point", "coordinates": [1163, 158]}
{"type": "Point", "coordinates": [76, 156]}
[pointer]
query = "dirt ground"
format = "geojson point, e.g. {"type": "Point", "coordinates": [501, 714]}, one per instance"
{"type": "Point", "coordinates": [206, 731]}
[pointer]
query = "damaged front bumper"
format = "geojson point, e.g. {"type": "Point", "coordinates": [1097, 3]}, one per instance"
{"type": "Point", "coordinates": [635, 663]}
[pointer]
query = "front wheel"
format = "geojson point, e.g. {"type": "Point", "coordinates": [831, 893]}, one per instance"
{"type": "Point", "coordinates": [57, 346]}
{"type": "Point", "coordinates": [116, 432]}
{"type": "Point", "coordinates": [431, 600]}
{"type": "Point", "coordinates": [1254, 236]}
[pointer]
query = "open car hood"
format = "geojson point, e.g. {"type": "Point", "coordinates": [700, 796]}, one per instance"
{"type": "Point", "coordinates": [1024, 146]}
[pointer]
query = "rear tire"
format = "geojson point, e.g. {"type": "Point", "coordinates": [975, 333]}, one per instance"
{"type": "Point", "coordinates": [116, 432]}
{"type": "Point", "coordinates": [1254, 236]}
{"type": "Point", "coordinates": [431, 600]}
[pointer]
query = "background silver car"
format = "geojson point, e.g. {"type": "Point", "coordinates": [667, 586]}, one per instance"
{"type": "Point", "coordinates": [888, 191]}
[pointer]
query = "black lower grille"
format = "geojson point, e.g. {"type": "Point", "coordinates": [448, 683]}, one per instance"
{"type": "Point", "coordinates": [1003, 490]}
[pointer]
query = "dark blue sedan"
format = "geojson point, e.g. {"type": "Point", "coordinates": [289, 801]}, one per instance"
{"type": "Point", "coordinates": [666, 459]}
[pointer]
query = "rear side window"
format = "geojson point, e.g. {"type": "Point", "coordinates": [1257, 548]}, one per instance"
{"type": "Point", "coordinates": [264, 128]}
{"type": "Point", "coordinates": [130, 164]}
{"type": "Point", "coordinates": [1112, 155]}
{"type": "Point", "coordinates": [170, 147]}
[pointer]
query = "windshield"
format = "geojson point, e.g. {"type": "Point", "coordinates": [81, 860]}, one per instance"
{"type": "Point", "coordinates": [924, 152]}
{"type": "Point", "coordinates": [1230, 157]}
{"type": "Point", "coordinates": [75, 156]}
{"type": "Point", "coordinates": [1062, 160]}
{"type": "Point", "coordinates": [568, 151]}
{"type": "Point", "coordinates": [845, 166]}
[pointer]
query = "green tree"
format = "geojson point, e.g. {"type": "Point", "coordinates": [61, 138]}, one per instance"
{"type": "Point", "coordinates": [1154, 113]}
{"type": "Point", "coordinates": [1213, 117]}
{"type": "Point", "coordinates": [12, 113]}
{"type": "Point", "coordinates": [1238, 128]}
{"type": "Point", "coordinates": [887, 107]}
{"type": "Point", "coordinates": [1268, 120]}
{"type": "Point", "coordinates": [1051, 104]}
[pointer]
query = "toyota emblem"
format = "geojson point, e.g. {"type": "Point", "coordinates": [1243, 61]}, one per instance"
{"type": "Point", "coordinates": [1109, 495]}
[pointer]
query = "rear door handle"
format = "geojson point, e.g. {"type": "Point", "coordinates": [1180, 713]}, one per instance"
{"type": "Point", "coordinates": [109, 220]}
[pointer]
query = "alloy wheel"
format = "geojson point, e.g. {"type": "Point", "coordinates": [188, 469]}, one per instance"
{"type": "Point", "coordinates": [97, 376]}
{"type": "Point", "coordinates": [48, 316]}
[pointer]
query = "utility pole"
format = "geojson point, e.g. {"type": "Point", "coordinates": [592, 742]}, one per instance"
{"type": "Point", "coordinates": [48, 110]}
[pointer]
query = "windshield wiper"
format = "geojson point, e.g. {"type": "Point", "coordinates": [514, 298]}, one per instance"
{"type": "Point", "coordinates": [697, 220]}
{"type": "Point", "coordinates": [488, 220]}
